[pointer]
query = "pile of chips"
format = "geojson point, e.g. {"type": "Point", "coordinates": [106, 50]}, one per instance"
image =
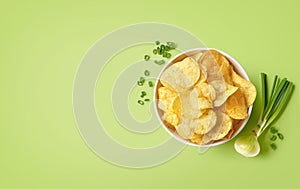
{"type": "Point", "coordinates": [202, 98]}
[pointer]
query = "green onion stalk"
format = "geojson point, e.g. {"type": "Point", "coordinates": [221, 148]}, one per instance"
{"type": "Point", "coordinates": [272, 107]}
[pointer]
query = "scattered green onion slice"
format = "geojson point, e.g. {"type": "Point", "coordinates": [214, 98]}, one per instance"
{"type": "Point", "coordinates": [146, 73]}
{"type": "Point", "coordinates": [139, 83]}
{"type": "Point", "coordinates": [169, 55]}
{"type": "Point", "coordinates": [167, 48]}
{"type": "Point", "coordinates": [274, 137]}
{"type": "Point", "coordinates": [147, 100]}
{"type": "Point", "coordinates": [157, 42]}
{"type": "Point", "coordinates": [280, 136]}
{"type": "Point", "coordinates": [142, 79]}
{"type": "Point", "coordinates": [147, 57]}
{"type": "Point", "coordinates": [273, 146]}
{"type": "Point", "coordinates": [154, 51]}
{"type": "Point", "coordinates": [159, 62]}
{"type": "Point", "coordinates": [150, 83]}
{"type": "Point", "coordinates": [141, 102]}
{"type": "Point", "coordinates": [172, 45]}
{"type": "Point", "coordinates": [273, 130]}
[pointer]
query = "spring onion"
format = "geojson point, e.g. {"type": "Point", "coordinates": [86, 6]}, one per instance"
{"type": "Point", "coordinates": [141, 102]}
{"type": "Point", "coordinates": [146, 73]}
{"type": "Point", "coordinates": [273, 105]}
{"type": "Point", "coordinates": [147, 57]}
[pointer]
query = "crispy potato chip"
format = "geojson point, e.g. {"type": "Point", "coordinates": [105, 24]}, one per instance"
{"type": "Point", "coordinates": [205, 123]}
{"type": "Point", "coordinates": [196, 138]}
{"type": "Point", "coordinates": [189, 104]}
{"type": "Point", "coordinates": [181, 75]}
{"type": "Point", "coordinates": [236, 106]}
{"type": "Point", "coordinates": [223, 91]}
{"type": "Point", "coordinates": [166, 96]}
{"type": "Point", "coordinates": [205, 90]}
{"type": "Point", "coordinates": [184, 130]}
{"type": "Point", "coordinates": [217, 66]}
{"type": "Point", "coordinates": [171, 118]}
{"type": "Point", "coordinates": [247, 88]}
{"type": "Point", "coordinates": [225, 128]}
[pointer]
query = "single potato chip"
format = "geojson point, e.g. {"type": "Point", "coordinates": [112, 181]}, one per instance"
{"type": "Point", "coordinates": [217, 66]}
{"type": "Point", "coordinates": [205, 123]}
{"type": "Point", "coordinates": [184, 130]}
{"type": "Point", "coordinates": [189, 104]}
{"type": "Point", "coordinates": [196, 138]}
{"type": "Point", "coordinates": [171, 118]}
{"type": "Point", "coordinates": [236, 106]}
{"type": "Point", "coordinates": [247, 88]}
{"type": "Point", "coordinates": [181, 75]}
{"type": "Point", "coordinates": [225, 128]}
{"type": "Point", "coordinates": [224, 91]}
{"type": "Point", "coordinates": [166, 96]}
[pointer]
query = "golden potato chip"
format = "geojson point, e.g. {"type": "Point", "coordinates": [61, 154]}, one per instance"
{"type": "Point", "coordinates": [189, 104]}
{"type": "Point", "coordinates": [181, 75]}
{"type": "Point", "coordinates": [205, 123]}
{"type": "Point", "coordinates": [205, 90]}
{"type": "Point", "coordinates": [166, 96]}
{"type": "Point", "coordinates": [171, 118]}
{"type": "Point", "coordinates": [184, 130]}
{"type": "Point", "coordinates": [226, 126]}
{"type": "Point", "coordinates": [217, 66]}
{"type": "Point", "coordinates": [247, 88]}
{"type": "Point", "coordinates": [236, 106]}
{"type": "Point", "coordinates": [224, 90]}
{"type": "Point", "coordinates": [196, 138]}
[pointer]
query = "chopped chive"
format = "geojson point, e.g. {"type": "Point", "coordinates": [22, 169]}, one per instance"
{"type": "Point", "coordinates": [159, 62]}
{"type": "Point", "coordinates": [167, 48]}
{"type": "Point", "coordinates": [273, 146]}
{"type": "Point", "coordinates": [142, 79]}
{"type": "Point", "coordinates": [157, 42]}
{"type": "Point", "coordinates": [150, 83]}
{"type": "Point", "coordinates": [140, 83]}
{"type": "Point", "coordinates": [159, 51]}
{"type": "Point", "coordinates": [273, 130]}
{"type": "Point", "coordinates": [274, 137]}
{"type": "Point", "coordinates": [172, 45]}
{"type": "Point", "coordinates": [147, 57]}
{"type": "Point", "coordinates": [147, 100]}
{"type": "Point", "coordinates": [169, 55]}
{"type": "Point", "coordinates": [280, 136]}
{"type": "Point", "coordinates": [144, 93]}
{"type": "Point", "coordinates": [154, 51]}
{"type": "Point", "coordinates": [165, 54]}
{"type": "Point", "coordinates": [146, 72]}
{"type": "Point", "coordinates": [141, 102]}
{"type": "Point", "coordinates": [162, 47]}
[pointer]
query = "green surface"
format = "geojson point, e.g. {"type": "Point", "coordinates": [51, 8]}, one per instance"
{"type": "Point", "coordinates": [42, 44]}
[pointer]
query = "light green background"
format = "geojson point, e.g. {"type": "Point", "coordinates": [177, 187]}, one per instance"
{"type": "Point", "coordinates": [42, 44]}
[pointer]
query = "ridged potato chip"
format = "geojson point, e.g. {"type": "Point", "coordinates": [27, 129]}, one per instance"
{"type": "Point", "coordinates": [236, 106]}
{"type": "Point", "coordinates": [181, 75]}
{"type": "Point", "coordinates": [205, 123]}
{"type": "Point", "coordinates": [247, 88]}
{"type": "Point", "coordinates": [166, 96]}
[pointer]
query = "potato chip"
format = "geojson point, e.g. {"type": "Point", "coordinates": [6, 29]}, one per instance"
{"type": "Point", "coordinates": [226, 126]}
{"type": "Point", "coordinates": [223, 91]}
{"type": "Point", "coordinates": [189, 104]}
{"type": "Point", "coordinates": [205, 123]}
{"type": "Point", "coordinates": [166, 96]}
{"type": "Point", "coordinates": [171, 118]}
{"type": "Point", "coordinates": [184, 130]}
{"type": "Point", "coordinates": [247, 88]}
{"type": "Point", "coordinates": [196, 138]}
{"type": "Point", "coordinates": [236, 106]}
{"type": "Point", "coordinates": [181, 75]}
{"type": "Point", "coordinates": [205, 90]}
{"type": "Point", "coordinates": [217, 66]}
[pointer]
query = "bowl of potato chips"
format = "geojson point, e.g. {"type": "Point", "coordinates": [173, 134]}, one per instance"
{"type": "Point", "coordinates": [203, 97]}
